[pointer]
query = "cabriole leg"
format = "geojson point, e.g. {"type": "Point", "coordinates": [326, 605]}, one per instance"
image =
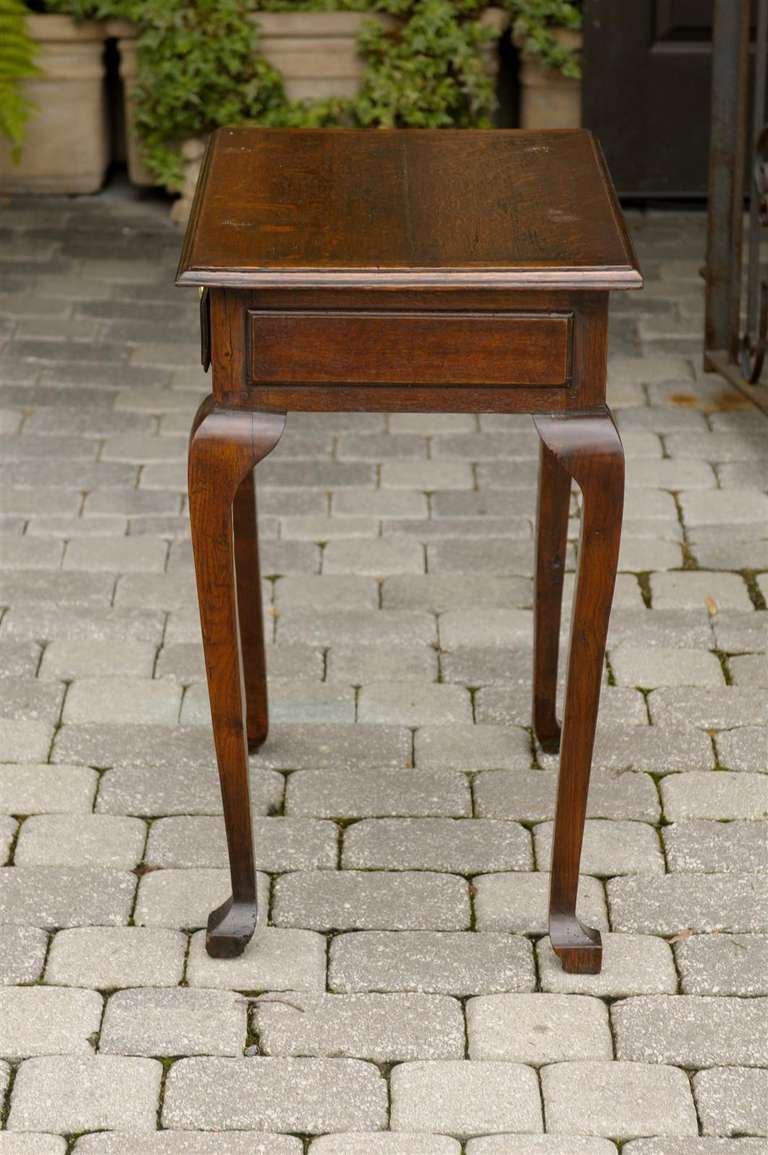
{"type": "Point", "coordinates": [588, 449]}
{"type": "Point", "coordinates": [225, 445]}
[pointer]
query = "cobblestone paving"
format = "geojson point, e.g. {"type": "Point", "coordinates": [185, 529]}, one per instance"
{"type": "Point", "coordinates": [400, 996]}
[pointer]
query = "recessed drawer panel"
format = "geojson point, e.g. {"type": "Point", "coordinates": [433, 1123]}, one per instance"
{"type": "Point", "coordinates": [408, 348]}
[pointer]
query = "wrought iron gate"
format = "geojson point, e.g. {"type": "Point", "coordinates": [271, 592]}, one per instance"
{"type": "Point", "coordinates": [736, 338]}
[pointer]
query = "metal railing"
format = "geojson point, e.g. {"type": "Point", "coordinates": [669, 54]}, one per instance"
{"type": "Point", "coordinates": [736, 339]}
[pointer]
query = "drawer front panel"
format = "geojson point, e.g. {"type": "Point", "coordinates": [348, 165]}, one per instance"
{"type": "Point", "coordinates": [408, 348]}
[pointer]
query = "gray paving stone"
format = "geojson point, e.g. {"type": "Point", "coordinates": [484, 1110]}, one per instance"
{"type": "Point", "coordinates": [511, 704]}
{"type": "Point", "coordinates": [30, 553]}
{"type": "Point", "coordinates": [91, 659]}
{"type": "Point", "coordinates": [289, 702]}
{"type": "Point", "coordinates": [650, 666]}
{"type": "Point", "coordinates": [34, 789]}
{"type": "Point", "coordinates": [723, 964]}
{"type": "Point", "coordinates": [362, 900]}
{"type": "Point", "coordinates": [724, 507]}
{"type": "Point", "coordinates": [667, 905]}
{"type": "Point", "coordinates": [632, 965]}
{"type": "Point", "coordinates": [320, 527]}
{"type": "Point", "coordinates": [472, 747]}
{"type": "Point", "coordinates": [713, 847]}
{"type": "Point", "coordinates": [384, 793]}
{"type": "Point", "coordinates": [158, 591]}
{"type": "Point", "coordinates": [165, 1021]}
{"type": "Point", "coordinates": [464, 1099]}
{"type": "Point", "coordinates": [279, 843]}
{"type": "Point", "coordinates": [45, 622]}
{"type": "Point", "coordinates": [326, 592]}
{"type": "Point", "coordinates": [687, 590]}
{"type": "Point", "coordinates": [442, 844]}
{"type": "Point", "coordinates": [116, 700]}
{"type": "Point", "coordinates": [75, 1093]}
{"type": "Point", "coordinates": [539, 1145]}
{"type": "Point", "coordinates": [440, 962]}
{"type": "Point", "coordinates": [495, 555]}
{"type": "Point", "coordinates": [718, 547]}
{"type": "Point", "coordinates": [185, 898]}
{"type": "Point", "coordinates": [519, 902]}
{"type": "Point", "coordinates": [618, 1100]}
{"type": "Point", "coordinates": [731, 1101]}
{"type": "Point", "coordinates": [382, 1027]}
{"type": "Point", "coordinates": [179, 790]}
{"type": "Point", "coordinates": [486, 626]}
{"type": "Point", "coordinates": [529, 795]}
{"type": "Point", "coordinates": [749, 670]}
{"type": "Point", "coordinates": [31, 1144]}
{"type": "Point", "coordinates": [407, 704]}
{"type": "Point", "coordinates": [80, 840]}
{"type": "Point", "coordinates": [720, 797]}
{"type": "Point", "coordinates": [356, 627]}
{"type": "Point", "coordinates": [22, 954]}
{"type": "Point", "coordinates": [31, 701]}
{"type": "Point", "coordinates": [709, 709]}
{"type": "Point", "coordinates": [442, 592]}
{"type": "Point", "coordinates": [384, 1144]}
{"type": "Point", "coordinates": [672, 473]}
{"type": "Point", "coordinates": [680, 1146]}
{"type": "Point", "coordinates": [661, 749]}
{"type": "Point", "coordinates": [124, 555]}
{"type": "Point", "coordinates": [377, 503]}
{"type": "Point", "coordinates": [54, 590]}
{"type": "Point", "coordinates": [691, 1031]}
{"type": "Point", "coordinates": [275, 959]}
{"type": "Point", "coordinates": [609, 848]}
{"type": "Point", "coordinates": [716, 446]}
{"type": "Point", "coordinates": [364, 665]}
{"type": "Point", "coordinates": [318, 747]}
{"type": "Point", "coordinates": [538, 1028]}
{"type": "Point", "coordinates": [18, 659]}
{"type": "Point", "coordinates": [40, 1020]}
{"type": "Point", "coordinates": [378, 558]}
{"type": "Point", "coordinates": [107, 957]}
{"type": "Point", "coordinates": [56, 896]}
{"type": "Point", "coordinates": [25, 741]}
{"type": "Point", "coordinates": [306, 1095]}
{"type": "Point", "coordinates": [745, 749]}
{"type": "Point", "coordinates": [187, 1143]}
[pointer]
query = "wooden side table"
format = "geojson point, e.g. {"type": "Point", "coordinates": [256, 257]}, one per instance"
{"type": "Point", "coordinates": [449, 270]}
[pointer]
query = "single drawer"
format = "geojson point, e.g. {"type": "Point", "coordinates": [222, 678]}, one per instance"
{"type": "Point", "coordinates": [408, 348]}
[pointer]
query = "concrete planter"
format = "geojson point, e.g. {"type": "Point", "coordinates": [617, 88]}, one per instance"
{"type": "Point", "coordinates": [66, 148]}
{"type": "Point", "coordinates": [549, 99]}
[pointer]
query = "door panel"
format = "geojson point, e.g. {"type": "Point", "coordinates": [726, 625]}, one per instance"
{"type": "Point", "coordinates": [646, 92]}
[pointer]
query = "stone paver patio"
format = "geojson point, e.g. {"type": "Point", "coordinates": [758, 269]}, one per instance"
{"type": "Point", "coordinates": [400, 997]}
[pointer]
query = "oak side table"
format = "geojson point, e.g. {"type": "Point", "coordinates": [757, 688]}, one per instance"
{"type": "Point", "coordinates": [418, 270]}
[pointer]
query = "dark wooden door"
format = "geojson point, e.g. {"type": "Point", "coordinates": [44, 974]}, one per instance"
{"type": "Point", "coordinates": [646, 92]}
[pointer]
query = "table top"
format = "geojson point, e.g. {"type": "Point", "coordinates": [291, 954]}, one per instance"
{"type": "Point", "coordinates": [420, 208]}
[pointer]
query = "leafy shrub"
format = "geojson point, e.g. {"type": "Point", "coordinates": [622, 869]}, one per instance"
{"type": "Point", "coordinates": [17, 62]}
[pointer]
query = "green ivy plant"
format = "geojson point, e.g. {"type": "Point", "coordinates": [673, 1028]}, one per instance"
{"type": "Point", "coordinates": [17, 64]}
{"type": "Point", "coordinates": [534, 25]}
{"type": "Point", "coordinates": [199, 67]}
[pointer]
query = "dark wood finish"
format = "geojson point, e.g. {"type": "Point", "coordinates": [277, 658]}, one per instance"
{"type": "Point", "coordinates": [396, 348]}
{"type": "Point", "coordinates": [224, 448]}
{"type": "Point", "coordinates": [588, 449]}
{"type": "Point", "coordinates": [418, 271]}
{"type": "Point", "coordinates": [421, 207]}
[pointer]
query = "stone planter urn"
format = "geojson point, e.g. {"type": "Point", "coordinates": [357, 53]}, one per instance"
{"type": "Point", "coordinates": [66, 146]}
{"type": "Point", "coordinates": [549, 99]}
